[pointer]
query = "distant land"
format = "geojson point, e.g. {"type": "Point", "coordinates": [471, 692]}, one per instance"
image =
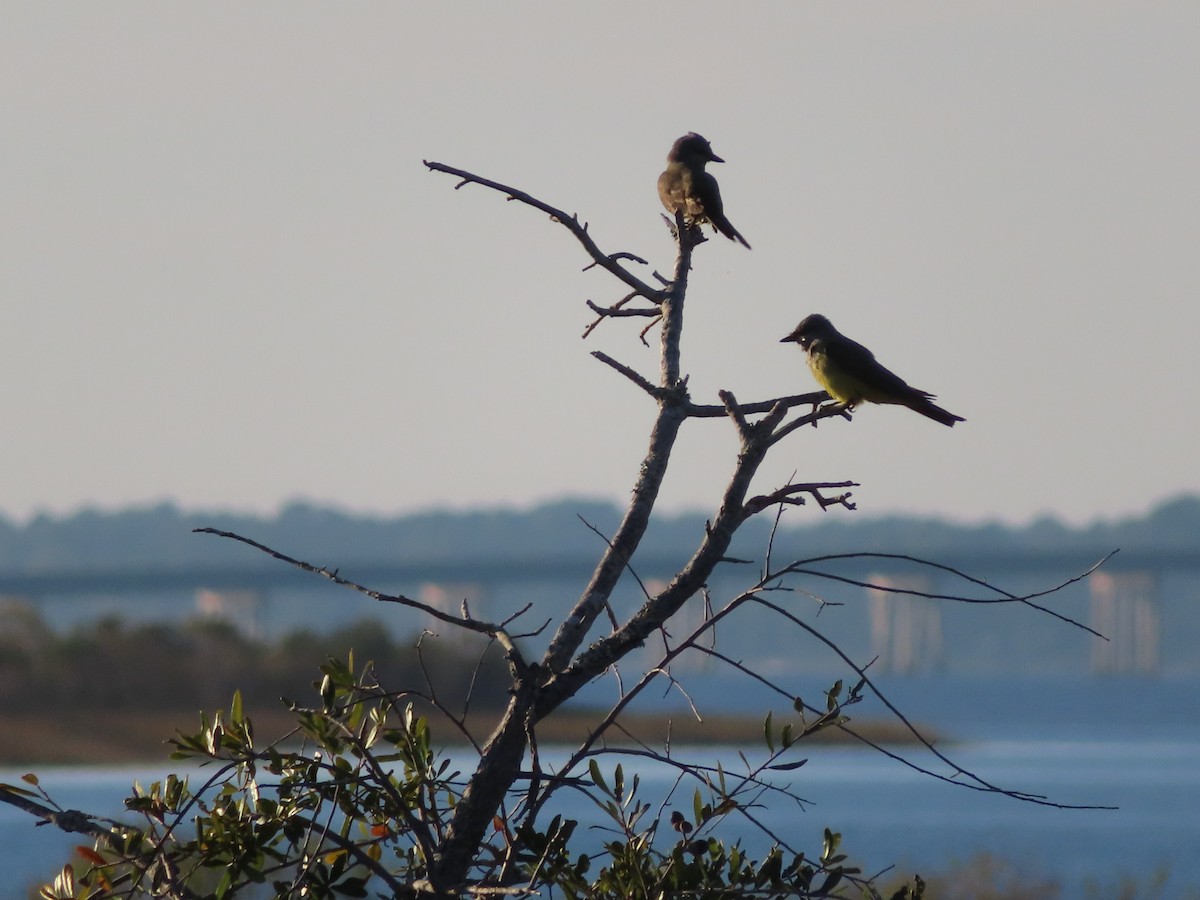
{"type": "Point", "coordinates": [160, 536]}
{"type": "Point", "coordinates": [949, 662]}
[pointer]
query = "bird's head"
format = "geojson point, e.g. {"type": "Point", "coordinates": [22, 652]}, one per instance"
{"type": "Point", "coordinates": [812, 328]}
{"type": "Point", "coordinates": [694, 149]}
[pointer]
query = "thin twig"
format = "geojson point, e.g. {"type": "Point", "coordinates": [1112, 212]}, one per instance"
{"type": "Point", "coordinates": [797, 568]}
{"type": "Point", "coordinates": [617, 311]}
{"type": "Point", "coordinates": [979, 783]}
{"type": "Point", "coordinates": [464, 621]}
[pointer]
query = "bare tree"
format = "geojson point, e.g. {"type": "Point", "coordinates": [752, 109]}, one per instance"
{"type": "Point", "coordinates": [325, 817]}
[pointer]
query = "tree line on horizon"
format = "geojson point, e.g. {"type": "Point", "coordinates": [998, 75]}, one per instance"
{"type": "Point", "coordinates": [161, 536]}
{"type": "Point", "coordinates": [200, 663]}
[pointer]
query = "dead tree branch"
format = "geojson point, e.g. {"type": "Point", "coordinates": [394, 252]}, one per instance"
{"type": "Point", "coordinates": [610, 262]}
{"type": "Point", "coordinates": [504, 750]}
{"type": "Point", "coordinates": [71, 821]}
{"type": "Point", "coordinates": [464, 621]}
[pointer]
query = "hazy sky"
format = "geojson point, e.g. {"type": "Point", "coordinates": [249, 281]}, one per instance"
{"type": "Point", "coordinates": [226, 278]}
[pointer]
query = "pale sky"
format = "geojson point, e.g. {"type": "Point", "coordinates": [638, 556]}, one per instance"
{"type": "Point", "coordinates": [227, 280]}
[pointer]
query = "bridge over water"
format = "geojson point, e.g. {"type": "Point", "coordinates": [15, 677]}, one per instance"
{"type": "Point", "coordinates": [272, 575]}
{"type": "Point", "coordinates": [1135, 599]}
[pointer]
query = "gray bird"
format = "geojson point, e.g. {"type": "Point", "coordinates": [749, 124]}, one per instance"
{"type": "Point", "coordinates": [684, 185]}
{"type": "Point", "coordinates": [849, 372]}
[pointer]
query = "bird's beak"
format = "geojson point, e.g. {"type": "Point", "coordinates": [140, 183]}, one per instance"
{"type": "Point", "coordinates": [712, 157]}
{"type": "Point", "coordinates": [790, 339]}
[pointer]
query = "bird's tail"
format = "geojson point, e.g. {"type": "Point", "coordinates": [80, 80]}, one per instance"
{"type": "Point", "coordinates": [935, 412]}
{"type": "Point", "coordinates": [726, 228]}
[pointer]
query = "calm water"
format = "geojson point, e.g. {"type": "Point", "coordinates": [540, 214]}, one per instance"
{"type": "Point", "coordinates": [889, 813]}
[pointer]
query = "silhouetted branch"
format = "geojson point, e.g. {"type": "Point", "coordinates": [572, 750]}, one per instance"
{"type": "Point", "coordinates": [607, 261]}
{"type": "Point", "coordinates": [978, 782]}
{"type": "Point", "coordinates": [827, 411]}
{"type": "Point", "coordinates": [691, 641]}
{"type": "Point", "coordinates": [71, 821]}
{"type": "Point", "coordinates": [503, 752]}
{"type": "Point", "coordinates": [798, 568]}
{"type": "Point", "coordinates": [672, 399]}
{"type": "Point", "coordinates": [755, 441]}
{"type": "Point", "coordinates": [700, 410]}
{"type": "Point", "coordinates": [787, 495]}
{"type": "Point", "coordinates": [488, 628]}
{"type": "Point", "coordinates": [629, 373]}
{"type": "Point", "coordinates": [618, 310]}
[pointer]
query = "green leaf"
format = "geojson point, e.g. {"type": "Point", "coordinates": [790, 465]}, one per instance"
{"type": "Point", "coordinates": [64, 884]}
{"type": "Point", "coordinates": [856, 691]}
{"type": "Point", "coordinates": [788, 767]}
{"type": "Point", "coordinates": [830, 883]}
{"type": "Point", "coordinates": [214, 738]}
{"type": "Point", "coordinates": [831, 698]}
{"type": "Point", "coordinates": [830, 844]}
{"type": "Point", "coordinates": [351, 887]}
{"type": "Point", "coordinates": [767, 733]}
{"type": "Point", "coordinates": [224, 884]}
{"type": "Point", "coordinates": [597, 778]}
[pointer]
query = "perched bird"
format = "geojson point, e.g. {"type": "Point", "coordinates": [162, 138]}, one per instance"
{"type": "Point", "coordinates": [684, 185]}
{"type": "Point", "coordinates": [849, 372]}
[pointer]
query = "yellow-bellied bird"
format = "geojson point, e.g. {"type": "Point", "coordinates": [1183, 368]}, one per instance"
{"type": "Point", "coordinates": [851, 375]}
{"type": "Point", "coordinates": [684, 185]}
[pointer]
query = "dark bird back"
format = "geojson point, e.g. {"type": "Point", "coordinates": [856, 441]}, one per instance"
{"type": "Point", "coordinates": [685, 186]}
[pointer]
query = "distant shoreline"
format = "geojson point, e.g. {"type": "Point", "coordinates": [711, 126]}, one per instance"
{"type": "Point", "coordinates": [130, 736]}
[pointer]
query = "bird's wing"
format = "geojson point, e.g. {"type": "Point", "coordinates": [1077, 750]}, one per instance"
{"type": "Point", "coordinates": [882, 384]}
{"type": "Point", "coordinates": [706, 191]}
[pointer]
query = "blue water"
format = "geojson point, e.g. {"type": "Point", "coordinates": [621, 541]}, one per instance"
{"type": "Point", "coordinates": [887, 813]}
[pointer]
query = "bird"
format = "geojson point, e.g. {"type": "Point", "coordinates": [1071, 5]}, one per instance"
{"type": "Point", "coordinates": [685, 187]}
{"type": "Point", "coordinates": [851, 375]}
